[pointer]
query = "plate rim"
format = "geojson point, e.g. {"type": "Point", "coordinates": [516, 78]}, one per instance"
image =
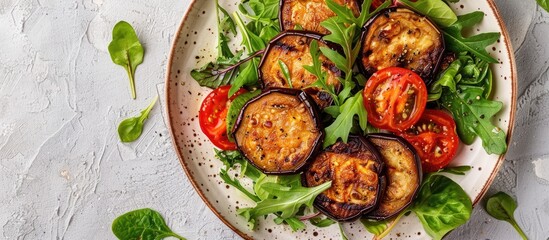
{"type": "Point", "coordinates": [483, 191]}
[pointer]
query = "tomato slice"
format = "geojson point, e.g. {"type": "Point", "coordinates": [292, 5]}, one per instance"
{"type": "Point", "coordinates": [213, 114]}
{"type": "Point", "coordinates": [435, 139]}
{"type": "Point", "coordinates": [394, 98]}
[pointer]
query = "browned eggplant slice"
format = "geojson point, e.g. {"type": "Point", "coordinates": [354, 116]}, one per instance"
{"type": "Point", "coordinates": [310, 13]}
{"type": "Point", "coordinates": [399, 37]}
{"type": "Point", "coordinates": [403, 172]}
{"type": "Point", "coordinates": [292, 48]}
{"type": "Point", "coordinates": [279, 130]}
{"type": "Point", "coordinates": [355, 169]}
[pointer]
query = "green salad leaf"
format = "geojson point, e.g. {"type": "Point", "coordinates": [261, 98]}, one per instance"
{"type": "Point", "coordinates": [375, 227]}
{"type": "Point", "coordinates": [235, 107]}
{"type": "Point", "coordinates": [343, 123]}
{"type": "Point", "coordinates": [436, 10]}
{"type": "Point", "coordinates": [142, 224]}
{"type": "Point", "coordinates": [286, 200]}
{"type": "Point", "coordinates": [285, 72]}
{"type": "Point", "coordinates": [476, 44]}
{"type": "Point", "coordinates": [126, 50]}
{"type": "Point", "coordinates": [130, 129]}
{"type": "Point", "coordinates": [321, 222]}
{"type": "Point", "coordinates": [501, 206]}
{"type": "Point", "coordinates": [441, 205]}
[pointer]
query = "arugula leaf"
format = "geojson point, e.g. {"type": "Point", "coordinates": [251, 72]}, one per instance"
{"type": "Point", "coordinates": [343, 235]}
{"type": "Point", "coordinates": [235, 183]}
{"type": "Point", "coordinates": [235, 107]}
{"type": "Point", "coordinates": [501, 206]}
{"type": "Point", "coordinates": [441, 205]}
{"type": "Point", "coordinates": [544, 4]}
{"type": "Point", "coordinates": [224, 24]}
{"type": "Point", "coordinates": [316, 69]}
{"type": "Point", "coordinates": [126, 50]}
{"type": "Point", "coordinates": [293, 222]}
{"type": "Point", "coordinates": [342, 125]}
{"type": "Point", "coordinates": [285, 72]}
{"type": "Point", "coordinates": [321, 223]}
{"type": "Point", "coordinates": [476, 44]}
{"type": "Point", "coordinates": [375, 227]}
{"type": "Point", "coordinates": [474, 118]}
{"type": "Point", "coordinates": [130, 129]}
{"type": "Point", "coordinates": [142, 224]}
{"type": "Point", "coordinates": [230, 158]}
{"type": "Point", "coordinates": [347, 15]}
{"type": "Point", "coordinates": [436, 10]}
{"type": "Point", "coordinates": [287, 200]}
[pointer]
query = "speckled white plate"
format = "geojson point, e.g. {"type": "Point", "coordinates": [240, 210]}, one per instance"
{"type": "Point", "coordinates": [195, 44]}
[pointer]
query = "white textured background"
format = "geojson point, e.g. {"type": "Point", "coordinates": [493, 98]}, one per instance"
{"type": "Point", "coordinates": [65, 175]}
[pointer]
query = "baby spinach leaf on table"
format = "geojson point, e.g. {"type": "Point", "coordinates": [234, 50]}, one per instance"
{"type": "Point", "coordinates": [234, 109]}
{"type": "Point", "coordinates": [126, 50]}
{"type": "Point", "coordinates": [436, 10]}
{"type": "Point", "coordinates": [287, 202]}
{"type": "Point", "coordinates": [441, 205]}
{"type": "Point", "coordinates": [544, 4]}
{"type": "Point", "coordinates": [342, 125]}
{"type": "Point", "coordinates": [501, 206]}
{"type": "Point", "coordinates": [473, 115]}
{"type": "Point", "coordinates": [130, 129]}
{"type": "Point", "coordinates": [142, 224]}
{"type": "Point", "coordinates": [476, 44]}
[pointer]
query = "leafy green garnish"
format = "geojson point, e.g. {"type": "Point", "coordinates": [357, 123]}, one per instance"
{"type": "Point", "coordinates": [235, 107]}
{"type": "Point", "coordinates": [501, 206]}
{"type": "Point", "coordinates": [285, 72]}
{"type": "Point", "coordinates": [130, 129]}
{"type": "Point", "coordinates": [321, 223]}
{"type": "Point", "coordinates": [342, 232]}
{"type": "Point", "coordinates": [436, 10]}
{"type": "Point", "coordinates": [459, 170]}
{"type": "Point", "coordinates": [126, 50]}
{"type": "Point", "coordinates": [544, 4]}
{"type": "Point", "coordinates": [342, 125]}
{"type": "Point", "coordinates": [286, 200]}
{"type": "Point", "coordinates": [316, 69]}
{"type": "Point", "coordinates": [476, 44]}
{"type": "Point", "coordinates": [375, 227]}
{"type": "Point", "coordinates": [142, 224]}
{"type": "Point", "coordinates": [441, 205]}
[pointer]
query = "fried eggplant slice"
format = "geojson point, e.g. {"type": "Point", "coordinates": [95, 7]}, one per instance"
{"type": "Point", "coordinates": [279, 131]}
{"type": "Point", "coordinates": [308, 14]}
{"type": "Point", "coordinates": [356, 171]}
{"type": "Point", "coordinates": [399, 37]}
{"type": "Point", "coordinates": [403, 173]}
{"type": "Point", "coordinates": [292, 48]}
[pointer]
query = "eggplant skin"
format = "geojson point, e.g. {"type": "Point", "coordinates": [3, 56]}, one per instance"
{"type": "Point", "coordinates": [279, 131]}
{"type": "Point", "coordinates": [292, 48]}
{"type": "Point", "coordinates": [355, 169]}
{"type": "Point", "coordinates": [310, 13]}
{"type": "Point", "coordinates": [399, 37]}
{"type": "Point", "coordinates": [403, 172]}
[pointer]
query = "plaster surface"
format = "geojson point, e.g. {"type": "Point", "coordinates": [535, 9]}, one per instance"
{"type": "Point", "coordinates": [65, 175]}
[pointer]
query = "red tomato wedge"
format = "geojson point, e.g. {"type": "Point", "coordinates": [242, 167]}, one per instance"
{"type": "Point", "coordinates": [394, 98]}
{"type": "Point", "coordinates": [213, 116]}
{"type": "Point", "coordinates": [435, 139]}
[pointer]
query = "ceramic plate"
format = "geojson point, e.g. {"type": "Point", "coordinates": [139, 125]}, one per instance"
{"type": "Point", "coordinates": [195, 44]}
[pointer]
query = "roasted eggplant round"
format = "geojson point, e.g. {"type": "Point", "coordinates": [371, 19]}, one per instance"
{"type": "Point", "coordinates": [292, 49]}
{"type": "Point", "coordinates": [279, 130]}
{"type": "Point", "coordinates": [399, 37]}
{"type": "Point", "coordinates": [310, 13]}
{"type": "Point", "coordinates": [356, 171]}
{"type": "Point", "coordinates": [403, 173]}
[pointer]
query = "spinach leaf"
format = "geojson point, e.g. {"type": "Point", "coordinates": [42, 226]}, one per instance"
{"type": "Point", "coordinates": [130, 129]}
{"type": "Point", "coordinates": [436, 10]}
{"type": "Point", "coordinates": [142, 224]}
{"type": "Point", "coordinates": [287, 200]}
{"type": "Point", "coordinates": [441, 205]}
{"type": "Point", "coordinates": [235, 107]}
{"type": "Point", "coordinates": [501, 206]}
{"type": "Point", "coordinates": [321, 223]}
{"type": "Point", "coordinates": [476, 44]}
{"type": "Point", "coordinates": [342, 125]}
{"type": "Point", "coordinates": [544, 4]}
{"type": "Point", "coordinates": [126, 50]}
{"type": "Point", "coordinates": [459, 170]}
{"type": "Point", "coordinates": [473, 115]}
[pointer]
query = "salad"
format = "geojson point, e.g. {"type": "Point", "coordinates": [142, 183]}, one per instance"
{"type": "Point", "coordinates": [344, 110]}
